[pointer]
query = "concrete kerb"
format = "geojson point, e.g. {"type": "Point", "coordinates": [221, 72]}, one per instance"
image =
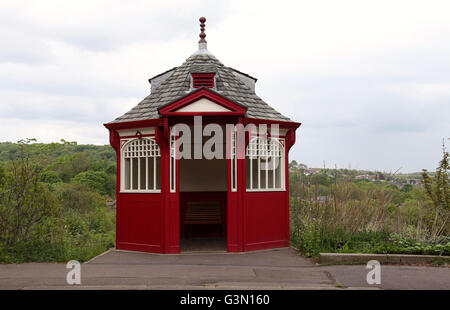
{"type": "Point", "coordinates": [187, 253]}
{"type": "Point", "coordinates": [99, 255]}
{"type": "Point", "coordinates": [362, 259]}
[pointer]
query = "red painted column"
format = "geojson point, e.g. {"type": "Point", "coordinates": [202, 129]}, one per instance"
{"type": "Point", "coordinates": [290, 140]}
{"type": "Point", "coordinates": [241, 219]}
{"type": "Point", "coordinates": [286, 169]}
{"type": "Point", "coordinates": [165, 184]}
{"type": "Point", "coordinates": [233, 215]}
{"type": "Point", "coordinates": [114, 140]}
{"type": "Point", "coordinates": [170, 218]}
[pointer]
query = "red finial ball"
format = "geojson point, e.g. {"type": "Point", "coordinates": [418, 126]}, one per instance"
{"type": "Point", "coordinates": [202, 19]}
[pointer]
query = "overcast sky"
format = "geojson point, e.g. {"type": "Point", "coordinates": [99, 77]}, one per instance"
{"type": "Point", "coordinates": [368, 80]}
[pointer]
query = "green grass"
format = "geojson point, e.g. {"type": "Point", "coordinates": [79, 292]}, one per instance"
{"type": "Point", "coordinates": [44, 251]}
{"type": "Point", "coordinates": [315, 241]}
{"type": "Point", "coordinates": [84, 236]}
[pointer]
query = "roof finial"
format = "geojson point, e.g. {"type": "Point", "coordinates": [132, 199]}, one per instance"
{"type": "Point", "coordinates": [202, 42]}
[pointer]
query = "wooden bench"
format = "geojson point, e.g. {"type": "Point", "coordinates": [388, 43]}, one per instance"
{"type": "Point", "coordinates": [203, 213]}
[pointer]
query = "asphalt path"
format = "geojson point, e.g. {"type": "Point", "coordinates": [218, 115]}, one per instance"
{"type": "Point", "coordinates": [271, 269]}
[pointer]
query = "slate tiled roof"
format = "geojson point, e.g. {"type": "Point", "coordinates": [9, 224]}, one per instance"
{"type": "Point", "coordinates": [177, 85]}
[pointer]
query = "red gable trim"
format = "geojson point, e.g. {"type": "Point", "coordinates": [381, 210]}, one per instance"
{"type": "Point", "coordinates": [170, 109]}
{"type": "Point", "coordinates": [134, 124]}
{"type": "Point", "coordinates": [268, 121]}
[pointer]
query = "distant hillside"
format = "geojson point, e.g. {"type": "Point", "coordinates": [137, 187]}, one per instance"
{"type": "Point", "coordinates": [67, 162]}
{"type": "Point", "coordinates": [9, 150]}
{"type": "Point", "coordinates": [298, 167]}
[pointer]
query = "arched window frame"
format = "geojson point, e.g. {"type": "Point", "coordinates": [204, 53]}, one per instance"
{"type": "Point", "coordinates": [147, 149]}
{"type": "Point", "coordinates": [260, 149]}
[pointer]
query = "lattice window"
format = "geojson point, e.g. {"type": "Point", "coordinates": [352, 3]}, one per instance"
{"type": "Point", "coordinates": [141, 166]}
{"type": "Point", "coordinates": [265, 164]}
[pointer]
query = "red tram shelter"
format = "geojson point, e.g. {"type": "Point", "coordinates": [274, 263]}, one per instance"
{"type": "Point", "coordinates": [239, 195]}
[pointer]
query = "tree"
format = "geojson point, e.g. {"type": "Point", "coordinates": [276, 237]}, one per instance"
{"type": "Point", "coordinates": [293, 164]}
{"type": "Point", "coordinates": [96, 180]}
{"type": "Point", "coordinates": [50, 176]}
{"type": "Point", "coordinates": [25, 201]}
{"type": "Point", "coordinates": [437, 190]}
{"type": "Point", "coordinates": [320, 178]}
{"type": "Point", "coordinates": [407, 188]}
{"type": "Point", "coordinates": [79, 197]}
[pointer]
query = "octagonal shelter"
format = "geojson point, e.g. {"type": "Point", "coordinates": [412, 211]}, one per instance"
{"type": "Point", "coordinates": [202, 158]}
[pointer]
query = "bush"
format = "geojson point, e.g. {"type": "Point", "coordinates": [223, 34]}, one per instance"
{"type": "Point", "coordinates": [25, 202]}
{"type": "Point", "coordinates": [364, 217]}
{"type": "Point", "coordinates": [96, 180]}
{"type": "Point", "coordinates": [315, 241]}
{"type": "Point", "coordinates": [79, 197]}
{"type": "Point", "coordinates": [81, 237]}
{"type": "Point", "coordinates": [50, 177]}
{"type": "Point", "coordinates": [43, 219]}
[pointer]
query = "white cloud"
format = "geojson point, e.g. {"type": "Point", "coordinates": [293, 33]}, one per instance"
{"type": "Point", "coordinates": [426, 92]}
{"type": "Point", "coordinates": [53, 130]}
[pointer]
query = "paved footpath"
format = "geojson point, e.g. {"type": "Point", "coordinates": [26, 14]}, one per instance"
{"type": "Point", "coordinates": [271, 269]}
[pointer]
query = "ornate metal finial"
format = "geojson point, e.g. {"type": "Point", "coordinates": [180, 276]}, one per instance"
{"type": "Point", "coordinates": [202, 32]}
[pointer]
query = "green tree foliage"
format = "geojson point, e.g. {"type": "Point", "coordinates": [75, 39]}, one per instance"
{"type": "Point", "coordinates": [50, 176]}
{"type": "Point", "coordinates": [43, 217]}
{"type": "Point", "coordinates": [437, 190]}
{"type": "Point", "coordinates": [65, 160]}
{"type": "Point", "coordinates": [79, 197]}
{"type": "Point", "coordinates": [407, 188]}
{"type": "Point", "coordinates": [24, 200]}
{"type": "Point", "coordinates": [96, 180]}
{"type": "Point", "coordinates": [321, 179]}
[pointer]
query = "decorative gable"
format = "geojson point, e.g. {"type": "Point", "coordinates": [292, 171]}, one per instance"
{"type": "Point", "coordinates": [203, 105]}
{"type": "Point", "coordinates": [203, 101]}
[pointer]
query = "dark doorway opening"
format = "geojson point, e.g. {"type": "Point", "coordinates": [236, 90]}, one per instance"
{"type": "Point", "coordinates": [203, 205]}
{"type": "Point", "coordinates": [203, 185]}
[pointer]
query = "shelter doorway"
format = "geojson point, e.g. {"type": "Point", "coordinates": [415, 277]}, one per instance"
{"type": "Point", "coordinates": [203, 203]}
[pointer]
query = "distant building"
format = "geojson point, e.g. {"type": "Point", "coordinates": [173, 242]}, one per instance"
{"type": "Point", "coordinates": [311, 171]}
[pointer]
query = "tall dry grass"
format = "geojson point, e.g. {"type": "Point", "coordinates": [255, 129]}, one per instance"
{"type": "Point", "coordinates": [350, 209]}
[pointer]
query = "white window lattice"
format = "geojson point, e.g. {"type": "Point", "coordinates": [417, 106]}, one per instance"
{"type": "Point", "coordinates": [262, 147]}
{"type": "Point", "coordinates": [142, 148]}
{"type": "Point", "coordinates": [141, 166]}
{"type": "Point", "coordinates": [265, 164]}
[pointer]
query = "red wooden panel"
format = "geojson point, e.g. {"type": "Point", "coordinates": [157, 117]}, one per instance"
{"type": "Point", "coordinates": [173, 240]}
{"type": "Point", "coordinates": [232, 219]}
{"type": "Point", "coordinates": [265, 220]}
{"type": "Point", "coordinates": [139, 222]}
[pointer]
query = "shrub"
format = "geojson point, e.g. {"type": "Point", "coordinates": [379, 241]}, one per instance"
{"type": "Point", "coordinates": [79, 197]}
{"type": "Point", "coordinates": [96, 180]}
{"type": "Point", "coordinates": [50, 177]}
{"type": "Point", "coordinates": [43, 219]}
